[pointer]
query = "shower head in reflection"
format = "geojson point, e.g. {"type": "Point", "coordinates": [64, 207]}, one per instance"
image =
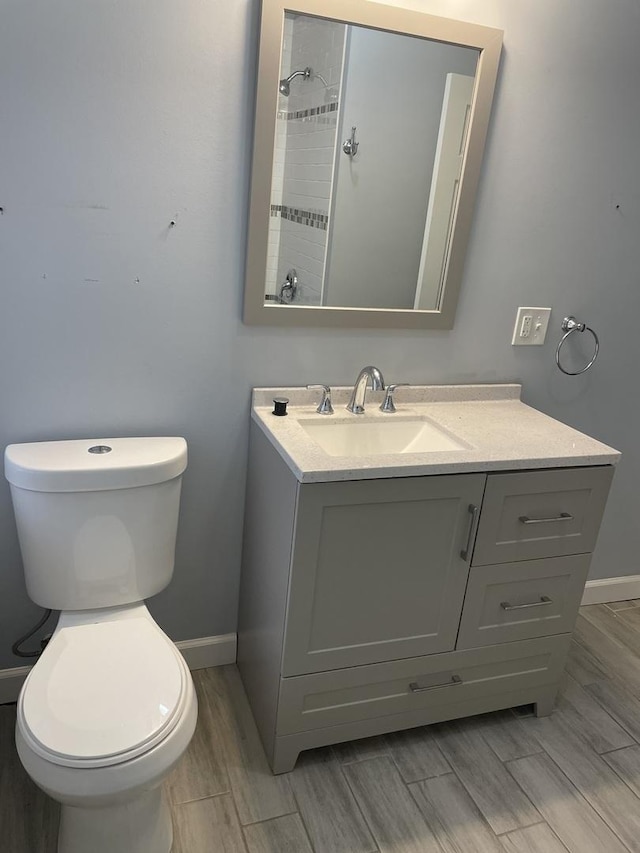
{"type": "Point", "coordinates": [307, 74]}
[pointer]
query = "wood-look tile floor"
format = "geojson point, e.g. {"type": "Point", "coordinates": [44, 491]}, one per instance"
{"type": "Point", "coordinates": [500, 782]}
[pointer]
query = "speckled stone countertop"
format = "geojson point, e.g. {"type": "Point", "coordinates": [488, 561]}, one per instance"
{"type": "Point", "coordinates": [498, 430]}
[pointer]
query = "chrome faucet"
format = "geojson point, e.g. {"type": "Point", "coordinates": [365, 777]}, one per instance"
{"type": "Point", "coordinates": [356, 403]}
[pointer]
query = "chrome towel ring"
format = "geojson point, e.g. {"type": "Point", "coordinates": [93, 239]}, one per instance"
{"type": "Point", "coordinates": [569, 326]}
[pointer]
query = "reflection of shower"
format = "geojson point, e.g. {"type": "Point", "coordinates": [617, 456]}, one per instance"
{"type": "Point", "coordinates": [307, 74]}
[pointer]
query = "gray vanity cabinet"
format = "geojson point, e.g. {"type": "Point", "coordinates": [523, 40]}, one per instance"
{"type": "Point", "coordinates": [377, 570]}
{"type": "Point", "coordinates": [368, 606]}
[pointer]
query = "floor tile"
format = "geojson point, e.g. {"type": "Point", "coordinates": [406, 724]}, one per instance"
{"type": "Point", "coordinates": [583, 666]}
{"type": "Point", "coordinates": [417, 755]}
{"type": "Point", "coordinates": [592, 776]}
{"type": "Point", "coordinates": [202, 772]}
{"type": "Point", "coordinates": [486, 779]}
{"type": "Point", "coordinates": [358, 750]}
{"type": "Point", "coordinates": [280, 835]}
{"type": "Point", "coordinates": [533, 839]}
{"type": "Point", "coordinates": [631, 617]}
{"type": "Point", "coordinates": [614, 625]}
{"type": "Point", "coordinates": [28, 818]}
{"type": "Point", "coordinates": [619, 605]}
{"type": "Point", "coordinates": [506, 736]}
{"type": "Point", "coordinates": [392, 815]}
{"type": "Point", "coordinates": [622, 705]}
{"type": "Point", "coordinates": [258, 794]}
{"type": "Point", "coordinates": [564, 809]}
{"type": "Point", "coordinates": [327, 806]}
{"type": "Point", "coordinates": [453, 817]}
{"type": "Point", "coordinates": [614, 658]}
{"type": "Point", "coordinates": [626, 763]}
{"type": "Point", "coordinates": [204, 826]}
{"type": "Point", "coordinates": [597, 727]}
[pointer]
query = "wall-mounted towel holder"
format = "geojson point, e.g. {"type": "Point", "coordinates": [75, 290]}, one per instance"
{"type": "Point", "coordinates": [569, 326]}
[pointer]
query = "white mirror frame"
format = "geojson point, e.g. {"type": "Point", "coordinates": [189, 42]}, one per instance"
{"type": "Point", "coordinates": [487, 40]}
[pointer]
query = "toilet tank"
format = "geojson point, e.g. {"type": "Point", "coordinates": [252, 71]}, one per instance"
{"type": "Point", "coordinates": [96, 520]}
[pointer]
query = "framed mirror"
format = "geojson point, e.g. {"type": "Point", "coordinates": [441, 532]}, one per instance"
{"type": "Point", "coordinates": [369, 133]}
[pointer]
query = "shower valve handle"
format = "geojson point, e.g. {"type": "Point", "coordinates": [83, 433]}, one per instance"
{"type": "Point", "coordinates": [350, 146]}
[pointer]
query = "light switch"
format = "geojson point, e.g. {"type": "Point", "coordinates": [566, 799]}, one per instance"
{"type": "Point", "coordinates": [531, 327]}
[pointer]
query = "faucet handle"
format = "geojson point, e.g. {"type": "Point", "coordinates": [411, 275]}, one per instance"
{"type": "Point", "coordinates": [325, 407]}
{"type": "Point", "coordinates": [387, 404]}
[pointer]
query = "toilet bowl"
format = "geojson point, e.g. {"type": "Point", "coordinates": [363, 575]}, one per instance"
{"type": "Point", "coordinates": [102, 718]}
{"type": "Point", "coordinates": [109, 708]}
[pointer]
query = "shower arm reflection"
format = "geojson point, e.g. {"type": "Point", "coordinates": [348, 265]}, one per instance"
{"type": "Point", "coordinates": [307, 73]}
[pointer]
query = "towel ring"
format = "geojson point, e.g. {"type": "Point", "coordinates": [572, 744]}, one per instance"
{"type": "Point", "coordinates": [569, 326]}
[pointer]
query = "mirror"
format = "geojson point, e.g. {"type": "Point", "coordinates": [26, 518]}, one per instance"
{"type": "Point", "coordinates": [370, 126]}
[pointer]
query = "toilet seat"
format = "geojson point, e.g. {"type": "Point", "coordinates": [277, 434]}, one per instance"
{"type": "Point", "coordinates": [103, 693]}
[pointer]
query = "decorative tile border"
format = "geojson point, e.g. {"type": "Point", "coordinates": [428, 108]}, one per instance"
{"type": "Point", "coordinates": [312, 111]}
{"type": "Point", "coordinates": [303, 217]}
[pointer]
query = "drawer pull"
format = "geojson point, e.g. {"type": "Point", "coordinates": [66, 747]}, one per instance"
{"type": "Point", "coordinates": [473, 510]}
{"type": "Point", "coordinates": [414, 687]}
{"type": "Point", "coordinates": [564, 516]}
{"type": "Point", "coordinates": [544, 600]}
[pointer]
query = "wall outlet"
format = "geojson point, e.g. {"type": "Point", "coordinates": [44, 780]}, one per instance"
{"type": "Point", "coordinates": [531, 325]}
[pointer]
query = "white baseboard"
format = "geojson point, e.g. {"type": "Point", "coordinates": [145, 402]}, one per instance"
{"type": "Point", "coordinates": [11, 682]}
{"type": "Point", "coordinates": [209, 651]}
{"type": "Point", "coordinates": [612, 589]}
{"type": "Point", "coordinates": [198, 653]}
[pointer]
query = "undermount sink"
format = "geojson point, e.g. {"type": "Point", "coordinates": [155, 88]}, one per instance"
{"type": "Point", "coordinates": [371, 437]}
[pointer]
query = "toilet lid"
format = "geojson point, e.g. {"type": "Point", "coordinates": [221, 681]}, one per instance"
{"type": "Point", "coordinates": [102, 690]}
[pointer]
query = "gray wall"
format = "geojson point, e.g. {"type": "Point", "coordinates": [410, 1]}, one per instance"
{"type": "Point", "coordinates": [120, 115]}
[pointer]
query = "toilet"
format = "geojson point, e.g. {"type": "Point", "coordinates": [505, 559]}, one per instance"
{"type": "Point", "coordinates": [109, 708]}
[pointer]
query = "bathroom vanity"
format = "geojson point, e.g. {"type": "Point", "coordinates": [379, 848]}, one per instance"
{"type": "Point", "coordinates": [426, 567]}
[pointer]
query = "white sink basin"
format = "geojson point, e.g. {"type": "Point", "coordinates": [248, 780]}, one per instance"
{"type": "Point", "coordinates": [369, 438]}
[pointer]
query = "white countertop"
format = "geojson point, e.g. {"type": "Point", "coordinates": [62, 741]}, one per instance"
{"type": "Point", "coordinates": [500, 431]}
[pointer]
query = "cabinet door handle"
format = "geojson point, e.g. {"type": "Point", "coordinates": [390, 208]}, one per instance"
{"type": "Point", "coordinates": [544, 600]}
{"type": "Point", "coordinates": [414, 687]}
{"type": "Point", "coordinates": [473, 510]}
{"type": "Point", "coordinates": [564, 516]}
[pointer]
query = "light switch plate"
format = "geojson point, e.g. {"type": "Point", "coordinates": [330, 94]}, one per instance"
{"type": "Point", "coordinates": [531, 325]}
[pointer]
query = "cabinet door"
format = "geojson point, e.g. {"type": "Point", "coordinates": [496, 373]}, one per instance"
{"type": "Point", "coordinates": [378, 571]}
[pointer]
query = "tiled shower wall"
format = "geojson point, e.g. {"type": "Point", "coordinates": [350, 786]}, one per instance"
{"type": "Point", "coordinates": [304, 154]}
{"type": "Point", "coordinates": [277, 174]}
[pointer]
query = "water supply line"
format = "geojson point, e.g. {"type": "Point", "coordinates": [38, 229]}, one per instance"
{"type": "Point", "coordinates": [15, 648]}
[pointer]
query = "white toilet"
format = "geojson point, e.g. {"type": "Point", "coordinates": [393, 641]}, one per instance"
{"type": "Point", "coordinates": [109, 708]}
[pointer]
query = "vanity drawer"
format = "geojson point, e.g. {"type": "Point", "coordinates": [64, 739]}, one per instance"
{"type": "Point", "coordinates": [516, 601]}
{"type": "Point", "coordinates": [535, 514]}
{"type": "Point", "coordinates": [322, 699]}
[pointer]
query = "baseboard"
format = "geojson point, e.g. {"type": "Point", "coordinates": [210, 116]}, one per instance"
{"type": "Point", "coordinates": [209, 651]}
{"type": "Point", "coordinates": [11, 681]}
{"type": "Point", "coordinates": [199, 653]}
{"type": "Point", "coordinates": [612, 589]}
